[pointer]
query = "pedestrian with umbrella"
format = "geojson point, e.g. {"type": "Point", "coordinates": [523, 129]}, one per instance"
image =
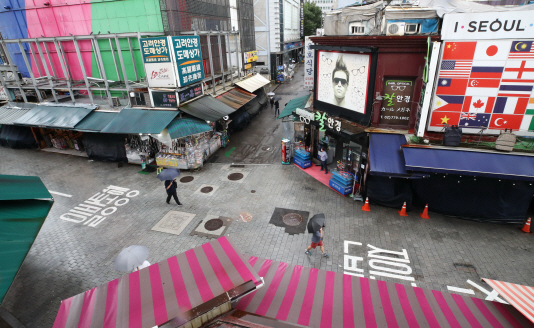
{"type": "Point", "coordinates": [315, 226]}
{"type": "Point", "coordinates": [169, 176]}
{"type": "Point", "coordinates": [132, 258]}
{"type": "Point", "coordinates": [276, 107]}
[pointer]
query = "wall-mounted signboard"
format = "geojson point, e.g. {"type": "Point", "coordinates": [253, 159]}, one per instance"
{"type": "Point", "coordinates": [188, 57]}
{"type": "Point", "coordinates": [163, 99]}
{"type": "Point", "coordinates": [397, 102]}
{"type": "Point", "coordinates": [251, 56]}
{"type": "Point", "coordinates": [190, 93]}
{"type": "Point", "coordinates": [158, 63]}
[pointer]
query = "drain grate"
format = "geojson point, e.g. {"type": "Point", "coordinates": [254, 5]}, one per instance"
{"type": "Point", "coordinates": [187, 179]}
{"type": "Point", "coordinates": [213, 224]}
{"type": "Point", "coordinates": [206, 190]}
{"type": "Point", "coordinates": [235, 176]}
{"type": "Point", "coordinates": [253, 191]}
{"type": "Point", "coordinates": [292, 219]}
{"type": "Point", "coordinates": [237, 165]}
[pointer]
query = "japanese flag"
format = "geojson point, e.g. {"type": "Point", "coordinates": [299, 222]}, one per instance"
{"type": "Point", "coordinates": [492, 50]}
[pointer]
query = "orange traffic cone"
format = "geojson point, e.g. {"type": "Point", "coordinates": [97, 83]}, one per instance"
{"type": "Point", "coordinates": [424, 215]}
{"type": "Point", "coordinates": [526, 227]}
{"type": "Point", "coordinates": [365, 206]}
{"type": "Point", "coordinates": [402, 212]}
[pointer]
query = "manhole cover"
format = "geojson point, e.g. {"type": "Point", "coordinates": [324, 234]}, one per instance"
{"type": "Point", "coordinates": [245, 217]}
{"type": "Point", "coordinates": [253, 191]}
{"type": "Point", "coordinates": [213, 224]}
{"type": "Point", "coordinates": [206, 190]}
{"type": "Point", "coordinates": [186, 179]}
{"type": "Point", "coordinates": [235, 176]}
{"type": "Point", "coordinates": [292, 219]}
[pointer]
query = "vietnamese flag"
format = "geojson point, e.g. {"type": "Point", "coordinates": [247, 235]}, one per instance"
{"type": "Point", "coordinates": [451, 86]}
{"type": "Point", "coordinates": [459, 50]}
{"type": "Point", "coordinates": [505, 121]}
{"type": "Point", "coordinates": [440, 118]}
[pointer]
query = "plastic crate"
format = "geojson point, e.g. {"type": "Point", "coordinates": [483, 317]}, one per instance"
{"type": "Point", "coordinates": [344, 179]}
{"type": "Point", "coordinates": [344, 190]}
{"type": "Point", "coordinates": [302, 163]}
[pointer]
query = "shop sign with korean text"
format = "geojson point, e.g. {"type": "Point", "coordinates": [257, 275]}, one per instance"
{"type": "Point", "coordinates": [188, 57]}
{"type": "Point", "coordinates": [301, 18]}
{"type": "Point", "coordinates": [158, 63]}
{"type": "Point", "coordinates": [396, 102]}
{"type": "Point", "coordinates": [251, 56]}
{"type": "Point", "coordinates": [190, 93]}
{"type": "Point", "coordinates": [326, 121]}
{"type": "Point", "coordinates": [488, 25]}
{"type": "Point", "coordinates": [309, 58]}
{"type": "Point", "coordinates": [164, 99]}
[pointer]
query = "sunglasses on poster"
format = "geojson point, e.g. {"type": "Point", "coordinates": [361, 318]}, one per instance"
{"type": "Point", "coordinates": [327, 60]}
{"type": "Point", "coordinates": [398, 87]}
{"type": "Point", "coordinates": [338, 80]}
{"type": "Point", "coordinates": [357, 71]}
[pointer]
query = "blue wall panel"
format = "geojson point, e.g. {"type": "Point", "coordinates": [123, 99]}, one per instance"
{"type": "Point", "coordinates": [13, 25]}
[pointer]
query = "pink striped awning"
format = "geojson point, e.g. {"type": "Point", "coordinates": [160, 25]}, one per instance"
{"type": "Point", "coordinates": [318, 298]}
{"type": "Point", "coordinates": [519, 296]}
{"type": "Point", "coordinates": [160, 292]}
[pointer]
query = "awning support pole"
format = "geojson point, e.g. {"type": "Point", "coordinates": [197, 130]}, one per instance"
{"type": "Point", "coordinates": [65, 72]}
{"type": "Point", "coordinates": [133, 59]}
{"type": "Point", "coordinates": [87, 86]}
{"type": "Point", "coordinates": [211, 63]}
{"type": "Point", "coordinates": [114, 60]}
{"type": "Point", "coordinates": [221, 61]}
{"type": "Point", "coordinates": [46, 71]}
{"type": "Point", "coordinates": [29, 68]}
{"type": "Point", "coordinates": [98, 56]}
{"type": "Point", "coordinates": [229, 51]}
{"type": "Point", "coordinates": [122, 63]}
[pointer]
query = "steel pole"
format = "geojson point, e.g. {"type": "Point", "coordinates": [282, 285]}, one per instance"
{"type": "Point", "coordinates": [98, 56]}
{"type": "Point", "coordinates": [46, 71]}
{"type": "Point", "coordinates": [228, 48]}
{"type": "Point", "coordinates": [114, 60]}
{"type": "Point", "coordinates": [211, 63]}
{"type": "Point", "coordinates": [221, 61]}
{"type": "Point", "coordinates": [133, 60]}
{"type": "Point", "coordinates": [29, 67]}
{"type": "Point", "coordinates": [65, 72]}
{"type": "Point", "coordinates": [80, 59]}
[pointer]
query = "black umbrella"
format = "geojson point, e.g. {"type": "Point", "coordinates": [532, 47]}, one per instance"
{"type": "Point", "coordinates": [168, 174]}
{"type": "Point", "coordinates": [277, 98]}
{"type": "Point", "coordinates": [316, 222]}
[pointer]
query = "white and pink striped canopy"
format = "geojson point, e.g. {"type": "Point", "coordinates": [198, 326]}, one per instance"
{"type": "Point", "coordinates": [519, 296]}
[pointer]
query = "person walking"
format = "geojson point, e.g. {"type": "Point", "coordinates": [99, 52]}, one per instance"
{"type": "Point", "coordinates": [317, 240]}
{"type": "Point", "coordinates": [323, 156]}
{"type": "Point", "coordinates": [170, 187]}
{"type": "Point", "coordinates": [276, 109]}
{"type": "Point", "coordinates": [272, 102]}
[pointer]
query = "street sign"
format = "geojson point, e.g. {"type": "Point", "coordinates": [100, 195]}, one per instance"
{"type": "Point", "coordinates": [163, 99]}
{"type": "Point", "coordinates": [188, 57]}
{"type": "Point", "coordinates": [190, 93]}
{"type": "Point", "coordinates": [158, 63]}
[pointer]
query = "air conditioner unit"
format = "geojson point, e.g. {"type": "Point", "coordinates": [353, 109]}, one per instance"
{"type": "Point", "coordinates": [411, 28]}
{"type": "Point", "coordinates": [356, 29]}
{"type": "Point", "coordinates": [395, 28]}
{"type": "Point", "coordinates": [139, 99]}
{"type": "Point", "coordinates": [116, 102]}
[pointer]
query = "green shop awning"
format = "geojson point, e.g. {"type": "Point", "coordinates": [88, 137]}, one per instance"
{"type": "Point", "coordinates": [207, 108]}
{"type": "Point", "coordinates": [24, 205]}
{"type": "Point", "coordinates": [293, 104]}
{"type": "Point", "coordinates": [186, 126]}
{"type": "Point", "coordinates": [95, 121]}
{"type": "Point", "coordinates": [56, 116]}
{"type": "Point", "coordinates": [13, 111]}
{"type": "Point", "coordinates": [135, 120]}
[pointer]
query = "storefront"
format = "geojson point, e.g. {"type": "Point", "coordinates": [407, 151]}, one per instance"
{"type": "Point", "coordinates": [284, 61]}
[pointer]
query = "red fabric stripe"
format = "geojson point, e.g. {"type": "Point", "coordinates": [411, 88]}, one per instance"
{"type": "Point", "coordinates": [465, 310]}
{"type": "Point", "coordinates": [386, 304]}
{"type": "Point", "coordinates": [427, 310]}
{"type": "Point", "coordinates": [521, 106]}
{"type": "Point", "coordinates": [135, 309]}
{"type": "Point", "coordinates": [179, 286]}
{"type": "Point", "coordinates": [367, 301]}
{"type": "Point", "coordinates": [63, 313]}
{"type": "Point", "coordinates": [510, 294]}
{"type": "Point", "coordinates": [218, 268]}
{"type": "Point", "coordinates": [245, 301]}
{"type": "Point", "coordinates": [87, 309]}
{"type": "Point", "coordinates": [489, 105]}
{"type": "Point", "coordinates": [158, 298]}
{"type": "Point", "coordinates": [521, 80]}
{"type": "Point", "coordinates": [348, 306]}
{"type": "Point", "coordinates": [110, 314]}
{"type": "Point", "coordinates": [237, 260]}
{"type": "Point", "coordinates": [328, 300]}
{"type": "Point", "coordinates": [273, 287]}
{"type": "Point", "coordinates": [307, 303]}
{"type": "Point", "coordinates": [283, 312]}
{"type": "Point", "coordinates": [447, 312]}
{"type": "Point", "coordinates": [507, 315]}
{"type": "Point", "coordinates": [486, 312]}
{"type": "Point", "coordinates": [512, 95]}
{"type": "Point", "coordinates": [201, 281]}
{"type": "Point", "coordinates": [406, 307]}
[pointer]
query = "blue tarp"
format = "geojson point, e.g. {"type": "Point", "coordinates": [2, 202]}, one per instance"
{"type": "Point", "coordinates": [386, 157]}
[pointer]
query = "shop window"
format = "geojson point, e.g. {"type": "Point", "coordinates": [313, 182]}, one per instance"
{"type": "Point", "coordinates": [397, 98]}
{"type": "Point", "coordinates": [260, 63]}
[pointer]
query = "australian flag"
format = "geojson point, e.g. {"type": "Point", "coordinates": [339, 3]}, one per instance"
{"type": "Point", "coordinates": [474, 120]}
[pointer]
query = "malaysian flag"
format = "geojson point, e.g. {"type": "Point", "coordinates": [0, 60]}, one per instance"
{"type": "Point", "coordinates": [522, 50]}
{"type": "Point", "coordinates": [455, 68]}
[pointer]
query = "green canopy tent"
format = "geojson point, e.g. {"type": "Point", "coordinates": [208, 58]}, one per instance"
{"type": "Point", "coordinates": [24, 205]}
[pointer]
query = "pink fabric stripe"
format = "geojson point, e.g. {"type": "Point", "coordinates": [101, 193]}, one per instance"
{"type": "Point", "coordinates": [406, 307]}
{"type": "Point", "coordinates": [447, 312]}
{"type": "Point", "coordinates": [465, 310]}
{"type": "Point", "coordinates": [367, 301]}
{"type": "Point", "coordinates": [273, 287]}
{"type": "Point", "coordinates": [307, 303]}
{"type": "Point", "coordinates": [507, 315]}
{"type": "Point", "coordinates": [179, 286]}
{"type": "Point", "coordinates": [158, 298]}
{"type": "Point", "coordinates": [201, 281]}
{"type": "Point", "coordinates": [63, 313]}
{"type": "Point", "coordinates": [135, 308]}
{"type": "Point", "coordinates": [218, 268]}
{"type": "Point", "coordinates": [252, 260]}
{"type": "Point", "coordinates": [486, 312]}
{"type": "Point", "coordinates": [87, 308]}
{"type": "Point", "coordinates": [289, 295]}
{"type": "Point", "coordinates": [328, 300]}
{"type": "Point", "coordinates": [425, 307]}
{"type": "Point", "coordinates": [110, 314]}
{"type": "Point", "coordinates": [237, 260]}
{"type": "Point", "coordinates": [386, 304]}
{"type": "Point", "coordinates": [245, 301]}
{"type": "Point", "coordinates": [348, 306]}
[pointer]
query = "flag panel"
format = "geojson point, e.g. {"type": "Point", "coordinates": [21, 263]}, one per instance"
{"type": "Point", "coordinates": [527, 124]}
{"type": "Point", "coordinates": [451, 86]}
{"type": "Point", "coordinates": [519, 70]}
{"type": "Point", "coordinates": [510, 105]}
{"type": "Point", "coordinates": [459, 50]}
{"type": "Point", "coordinates": [521, 50]}
{"type": "Point", "coordinates": [505, 121]}
{"type": "Point", "coordinates": [440, 118]}
{"type": "Point", "coordinates": [448, 103]}
{"type": "Point", "coordinates": [492, 50]}
{"type": "Point", "coordinates": [478, 104]}
{"type": "Point", "coordinates": [455, 68]}
{"type": "Point", "coordinates": [474, 120]}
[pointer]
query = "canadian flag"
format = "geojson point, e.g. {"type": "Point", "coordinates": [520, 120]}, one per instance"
{"type": "Point", "coordinates": [475, 104]}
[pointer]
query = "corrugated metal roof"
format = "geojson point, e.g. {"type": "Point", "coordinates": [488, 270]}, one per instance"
{"type": "Point", "coordinates": [95, 121]}
{"type": "Point", "coordinates": [253, 83]}
{"type": "Point", "coordinates": [186, 126]}
{"type": "Point", "coordinates": [135, 120]}
{"type": "Point", "coordinates": [12, 111]}
{"type": "Point", "coordinates": [236, 97]}
{"type": "Point", "coordinates": [65, 117]}
{"type": "Point", "coordinates": [207, 108]}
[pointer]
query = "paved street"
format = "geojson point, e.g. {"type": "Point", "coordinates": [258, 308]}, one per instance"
{"type": "Point", "coordinates": [68, 258]}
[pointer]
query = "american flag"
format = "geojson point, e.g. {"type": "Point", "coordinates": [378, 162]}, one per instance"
{"type": "Point", "coordinates": [455, 68]}
{"type": "Point", "coordinates": [468, 116]}
{"type": "Point", "coordinates": [522, 50]}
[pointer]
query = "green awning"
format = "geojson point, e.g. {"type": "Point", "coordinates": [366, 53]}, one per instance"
{"type": "Point", "coordinates": [186, 126]}
{"type": "Point", "coordinates": [22, 213]}
{"type": "Point", "coordinates": [135, 120]}
{"type": "Point", "coordinates": [57, 117]}
{"type": "Point", "coordinates": [95, 121]}
{"type": "Point", "coordinates": [207, 108]}
{"type": "Point", "coordinates": [293, 104]}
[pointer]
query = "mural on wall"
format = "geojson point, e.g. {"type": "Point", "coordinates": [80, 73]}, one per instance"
{"type": "Point", "coordinates": [343, 79]}
{"type": "Point", "coordinates": [486, 84]}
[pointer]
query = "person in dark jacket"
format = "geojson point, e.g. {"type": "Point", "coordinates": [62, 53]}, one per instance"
{"type": "Point", "coordinates": [170, 186]}
{"type": "Point", "coordinates": [276, 109]}
{"type": "Point", "coordinates": [272, 102]}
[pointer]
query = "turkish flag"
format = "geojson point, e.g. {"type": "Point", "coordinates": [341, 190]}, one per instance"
{"type": "Point", "coordinates": [450, 118]}
{"type": "Point", "coordinates": [505, 121]}
{"type": "Point", "coordinates": [459, 50]}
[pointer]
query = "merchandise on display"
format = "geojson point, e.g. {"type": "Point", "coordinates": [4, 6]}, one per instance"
{"type": "Point", "coordinates": [140, 149]}
{"type": "Point", "coordinates": [61, 139]}
{"type": "Point", "coordinates": [189, 152]}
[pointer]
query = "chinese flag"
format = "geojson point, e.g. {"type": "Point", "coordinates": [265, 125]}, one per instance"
{"type": "Point", "coordinates": [440, 118]}
{"type": "Point", "coordinates": [459, 50]}
{"type": "Point", "coordinates": [505, 121]}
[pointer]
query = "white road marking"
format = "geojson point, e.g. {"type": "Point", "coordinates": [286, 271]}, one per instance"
{"type": "Point", "coordinates": [461, 290]}
{"type": "Point", "coordinates": [491, 296]}
{"type": "Point", "coordinates": [59, 194]}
